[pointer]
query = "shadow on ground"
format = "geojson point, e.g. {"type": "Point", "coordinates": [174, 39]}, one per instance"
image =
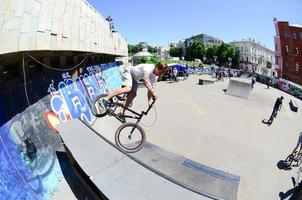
{"type": "Point", "coordinates": [75, 184]}
{"type": "Point", "coordinates": [294, 193]}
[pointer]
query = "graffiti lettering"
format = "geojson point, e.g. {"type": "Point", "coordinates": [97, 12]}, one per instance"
{"type": "Point", "coordinates": [73, 98]}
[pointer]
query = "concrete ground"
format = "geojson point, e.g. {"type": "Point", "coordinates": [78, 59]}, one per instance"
{"type": "Point", "coordinates": [202, 123]}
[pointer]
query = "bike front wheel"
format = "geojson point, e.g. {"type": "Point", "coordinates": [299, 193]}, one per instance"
{"type": "Point", "coordinates": [130, 137]}
{"type": "Point", "coordinates": [98, 108]}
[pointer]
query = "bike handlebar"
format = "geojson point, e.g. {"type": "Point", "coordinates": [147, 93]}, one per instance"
{"type": "Point", "coordinates": [150, 106]}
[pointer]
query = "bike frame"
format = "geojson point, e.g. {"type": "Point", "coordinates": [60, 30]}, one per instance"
{"type": "Point", "coordinates": [136, 116]}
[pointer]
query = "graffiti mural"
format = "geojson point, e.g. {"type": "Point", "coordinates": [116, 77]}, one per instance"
{"type": "Point", "coordinates": [29, 168]}
{"type": "Point", "coordinates": [29, 141]}
{"type": "Point", "coordinates": [73, 98]}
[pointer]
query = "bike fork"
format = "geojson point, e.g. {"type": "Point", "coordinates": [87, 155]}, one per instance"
{"type": "Point", "coordinates": [133, 128]}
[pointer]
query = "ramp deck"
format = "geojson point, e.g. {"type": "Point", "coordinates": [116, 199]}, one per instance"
{"type": "Point", "coordinates": [114, 173]}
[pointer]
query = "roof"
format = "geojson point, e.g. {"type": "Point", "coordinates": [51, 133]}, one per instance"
{"type": "Point", "coordinates": [296, 25]}
{"type": "Point", "coordinates": [142, 53]}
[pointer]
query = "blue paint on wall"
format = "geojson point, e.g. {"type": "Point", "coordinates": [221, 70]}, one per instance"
{"type": "Point", "coordinates": [28, 162]}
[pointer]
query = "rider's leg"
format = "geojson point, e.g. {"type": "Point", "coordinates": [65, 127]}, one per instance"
{"type": "Point", "coordinates": [118, 91]}
{"type": "Point", "coordinates": [127, 82]}
{"type": "Point", "coordinates": [129, 100]}
{"type": "Point", "coordinates": [131, 95]}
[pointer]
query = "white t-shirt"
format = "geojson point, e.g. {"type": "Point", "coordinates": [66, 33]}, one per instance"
{"type": "Point", "coordinates": [145, 72]}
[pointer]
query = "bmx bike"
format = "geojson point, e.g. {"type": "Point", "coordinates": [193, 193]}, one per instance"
{"type": "Point", "coordinates": [129, 137]}
{"type": "Point", "coordinates": [293, 160]}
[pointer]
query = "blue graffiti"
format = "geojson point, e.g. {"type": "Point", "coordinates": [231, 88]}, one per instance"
{"type": "Point", "coordinates": [73, 98]}
{"type": "Point", "coordinates": [22, 177]}
{"type": "Point", "coordinates": [27, 176]}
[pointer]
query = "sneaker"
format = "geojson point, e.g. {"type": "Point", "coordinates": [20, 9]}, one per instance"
{"type": "Point", "coordinates": [105, 103]}
{"type": "Point", "coordinates": [120, 117]}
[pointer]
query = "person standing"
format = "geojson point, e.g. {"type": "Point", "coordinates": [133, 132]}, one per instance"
{"type": "Point", "coordinates": [268, 83]}
{"type": "Point", "coordinates": [175, 73]}
{"type": "Point", "coordinates": [253, 82]}
{"type": "Point", "coordinates": [277, 107]}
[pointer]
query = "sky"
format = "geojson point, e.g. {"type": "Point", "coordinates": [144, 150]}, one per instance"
{"type": "Point", "coordinates": [160, 22]}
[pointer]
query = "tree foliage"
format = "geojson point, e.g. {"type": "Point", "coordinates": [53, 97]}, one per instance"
{"type": "Point", "coordinates": [226, 54]}
{"type": "Point", "coordinates": [132, 49]}
{"type": "Point", "coordinates": [143, 59]}
{"type": "Point", "coordinates": [154, 60]}
{"type": "Point", "coordinates": [152, 50]}
{"type": "Point", "coordinates": [176, 51]}
{"type": "Point", "coordinates": [196, 50]}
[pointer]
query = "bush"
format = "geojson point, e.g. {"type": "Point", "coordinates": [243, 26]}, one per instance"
{"type": "Point", "coordinates": [154, 60]}
{"type": "Point", "coordinates": [143, 60]}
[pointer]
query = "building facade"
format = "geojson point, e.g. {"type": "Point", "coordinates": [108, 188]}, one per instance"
{"type": "Point", "coordinates": [255, 57]}
{"type": "Point", "coordinates": [288, 45]}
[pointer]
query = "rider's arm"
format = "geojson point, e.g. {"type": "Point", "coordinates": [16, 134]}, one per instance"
{"type": "Point", "coordinates": [149, 96]}
{"type": "Point", "coordinates": [280, 106]}
{"type": "Point", "coordinates": [151, 92]}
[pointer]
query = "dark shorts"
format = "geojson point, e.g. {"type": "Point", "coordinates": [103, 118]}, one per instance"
{"type": "Point", "coordinates": [134, 85]}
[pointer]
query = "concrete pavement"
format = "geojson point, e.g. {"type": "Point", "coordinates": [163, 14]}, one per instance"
{"type": "Point", "coordinates": [225, 132]}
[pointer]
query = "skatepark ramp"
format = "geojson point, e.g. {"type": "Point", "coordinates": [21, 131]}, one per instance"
{"type": "Point", "coordinates": [239, 88]}
{"type": "Point", "coordinates": [118, 175]}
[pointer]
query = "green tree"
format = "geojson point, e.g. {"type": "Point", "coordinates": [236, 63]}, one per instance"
{"type": "Point", "coordinates": [221, 54]}
{"type": "Point", "coordinates": [152, 50]}
{"type": "Point", "coordinates": [132, 49]}
{"type": "Point", "coordinates": [211, 51]}
{"type": "Point", "coordinates": [143, 59]}
{"type": "Point", "coordinates": [154, 60]}
{"type": "Point", "coordinates": [176, 51]}
{"type": "Point", "coordinates": [225, 52]}
{"type": "Point", "coordinates": [196, 50]}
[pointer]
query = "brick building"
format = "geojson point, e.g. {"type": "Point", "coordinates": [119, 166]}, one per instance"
{"type": "Point", "coordinates": [288, 44]}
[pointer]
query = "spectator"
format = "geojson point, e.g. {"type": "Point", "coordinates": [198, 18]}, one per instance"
{"type": "Point", "coordinates": [253, 82]}
{"type": "Point", "coordinates": [109, 19]}
{"type": "Point", "coordinates": [268, 83]}
{"type": "Point", "coordinates": [175, 73]}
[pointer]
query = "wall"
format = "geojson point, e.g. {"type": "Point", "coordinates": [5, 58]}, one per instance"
{"type": "Point", "coordinates": [288, 57]}
{"type": "Point", "coordinates": [69, 25]}
{"type": "Point", "coordinates": [29, 141]}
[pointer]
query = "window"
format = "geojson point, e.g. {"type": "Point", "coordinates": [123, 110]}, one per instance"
{"type": "Point", "coordinates": [286, 48]}
{"type": "Point", "coordinates": [297, 51]}
{"type": "Point", "coordinates": [301, 35]}
{"type": "Point", "coordinates": [241, 48]}
{"type": "Point", "coordinates": [294, 35]}
{"type": "Point", "coordinates": [297, 66]}
{"type": "Point", "coordinates": [285, 63]}
{"type": "Point", "coordinates": [285, 34]}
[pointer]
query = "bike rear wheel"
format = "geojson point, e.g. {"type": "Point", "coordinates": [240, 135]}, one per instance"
{"type": "Point", "coordinates": [130, 137]}
{"type": "Point", "coordinates": [98, 108]}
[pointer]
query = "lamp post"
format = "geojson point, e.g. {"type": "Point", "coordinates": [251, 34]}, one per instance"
{"type": "Point", "coordinates": [215, 58]}
{"type": "Point", "coordinates": [230, 61]}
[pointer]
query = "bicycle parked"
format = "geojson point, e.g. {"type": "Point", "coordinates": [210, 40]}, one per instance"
{"type": "Point", "coordinates": [129, 137]}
